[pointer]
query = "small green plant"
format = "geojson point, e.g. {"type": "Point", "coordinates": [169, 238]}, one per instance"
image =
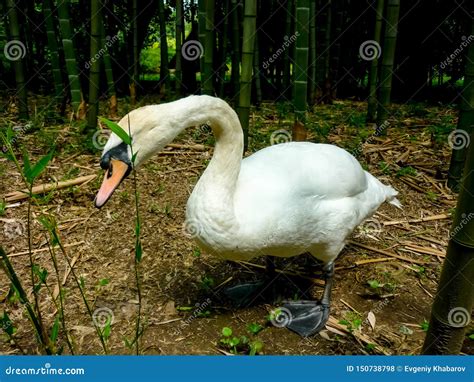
{"type": "Point", "coordinates": [433, 196]}
{"type": "Point", "coordinates": [385, 168]}
{"type": "Point", "coordinates": [425, 325]}
{"type": "Point", "coordinates": [207, 283]}
{"type": "Point", "coordinates": [239, 345]}
{"type": "Point", "coordinates": [404, 171]}
{"type": "Point", "coordinates": [254, 328]}
{"type": "Point", "coordinates": [196, 252]}
{"type": "Point", "coordinates": [3, 207]}
{"type": "Point", "coordinates": [352, 321]}
{"type": "Point", "coordinates": [369, 347]}
{"type": "Point", "coordinates": [374, 284]}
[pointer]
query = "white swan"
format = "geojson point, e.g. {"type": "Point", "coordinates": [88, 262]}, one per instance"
{"type": "Point", "coordinates": [282, 201]}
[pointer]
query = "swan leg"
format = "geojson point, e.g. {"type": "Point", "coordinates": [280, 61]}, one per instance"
{"type": "Point", "coordinates": [245, 294]}
{"type": "Point", "coordinates": [309, 317]}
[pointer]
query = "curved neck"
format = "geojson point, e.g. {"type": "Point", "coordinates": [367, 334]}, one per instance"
{"type": "Point", "coordinates": [214, 191]}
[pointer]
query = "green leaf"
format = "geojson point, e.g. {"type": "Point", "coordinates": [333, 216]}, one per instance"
{"type": "Point", "coordinates": [471, 336]}
{"type": "Point", "coordinates": [6, 324]}
{"type": "Point", "coordinates": [117, 130]}
{"type": "Point", "coordinates": [107, 329]}
{"type": "Point", "coordinates": [26, 164]}
{"type": "Point", "coordinates": [103, 282]}
{"type": "Point", "coordinates": [134, 156]}
{"type": "Point", "coordinates": [254, 328]}
{"type": "Point", "coordinates": [234, 341]}
{"type": "Point", "coordinates": [256, 347]}
{"type": "Point", "coordinates": [184, 308]}
{"type": "Point", "coordinates": [38, 168]}
{"type": "Point", "coordinates": [54, 330]}
{"type": "Point", "coordinates": [374, 284]}
{"type": "Point", "coordinates": [226, 332]}
{"type": "Point", "coordinates": [138, 251]}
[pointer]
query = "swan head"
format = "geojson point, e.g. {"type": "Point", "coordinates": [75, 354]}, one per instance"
{"type": "Point", "coordinates": [117, 165]}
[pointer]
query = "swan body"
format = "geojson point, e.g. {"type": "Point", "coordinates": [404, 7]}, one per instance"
{"type": "Point", "coordinates": [289, 199]}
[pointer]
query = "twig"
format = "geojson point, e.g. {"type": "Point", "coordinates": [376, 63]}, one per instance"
{"type": "Point", "coordinates": [46, 249]}
{"type": "Point", "coordinates": [421, 220]}
{"type": "Point", "coordinates": [386, 253]}
{"type": "Point", "coordinates": [43, 188]}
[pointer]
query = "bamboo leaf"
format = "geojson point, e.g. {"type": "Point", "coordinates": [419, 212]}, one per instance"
{"type": "Point", "coordinates": [33, 172]}
{"type": "Point", "coordinates": [117, 130]}
{"type": "Point", "coordinates": [54, 330]}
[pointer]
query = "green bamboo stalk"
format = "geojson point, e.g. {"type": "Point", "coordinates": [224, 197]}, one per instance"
{"type": "Point", "coordinates": [248, 45]}
{"type": "Point", "coordinates": [53, 51]}
{"type": "Point", "coordinates": [236, 49]}
{"type": "Point", "coordinates": [135, 55]}
{"type": "Point", "coordinates": [179, 43]}
{"type": "Point", "coordinates": [338, 10]}
{"type": "Point", "coordinates": [223, 46]}
{"type": "Point", "coordinates": [388, 59]}
{"type": "Point", "coordinates": [312, 53]}
{"type": "Point", "coordinates": [300, 81]}
{"type": "Point", "coordinates": [256, 71]}
{"type": "Point", "coordinates": [70, 55]}
{"type": "Point", "coordinates": [374, 65]}
{"type": "Point", "coordinates": [109, 73]}
{"type": "Point", "coordinates": [207, 78]}
{"type": "Point", "coordinates": [18, 52]}
{"type": "Point", "coordinates": [288, 33]}
{"type": "Point", "coordinates": [94, 74]}
{"type": "Point", "coordinates": [465, 122]}
{"type": "Point", "coordinates": [164, 67]}
{"type": "Point", "coordinates": [452, 307]}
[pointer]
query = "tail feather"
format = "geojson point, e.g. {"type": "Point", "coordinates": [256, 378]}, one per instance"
{"type": "Point", "coordinates": [391, 194]}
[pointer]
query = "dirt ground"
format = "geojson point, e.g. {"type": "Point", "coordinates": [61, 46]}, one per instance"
{"type": "Point", "coordinates": [385, 277]}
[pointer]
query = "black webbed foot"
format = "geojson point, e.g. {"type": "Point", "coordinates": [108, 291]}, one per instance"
{"type": "Point", "coordinates": [306, 317]}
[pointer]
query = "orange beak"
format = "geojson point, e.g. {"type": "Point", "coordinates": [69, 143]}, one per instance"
{"type": "Point", "coordinates": [117, 172]}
